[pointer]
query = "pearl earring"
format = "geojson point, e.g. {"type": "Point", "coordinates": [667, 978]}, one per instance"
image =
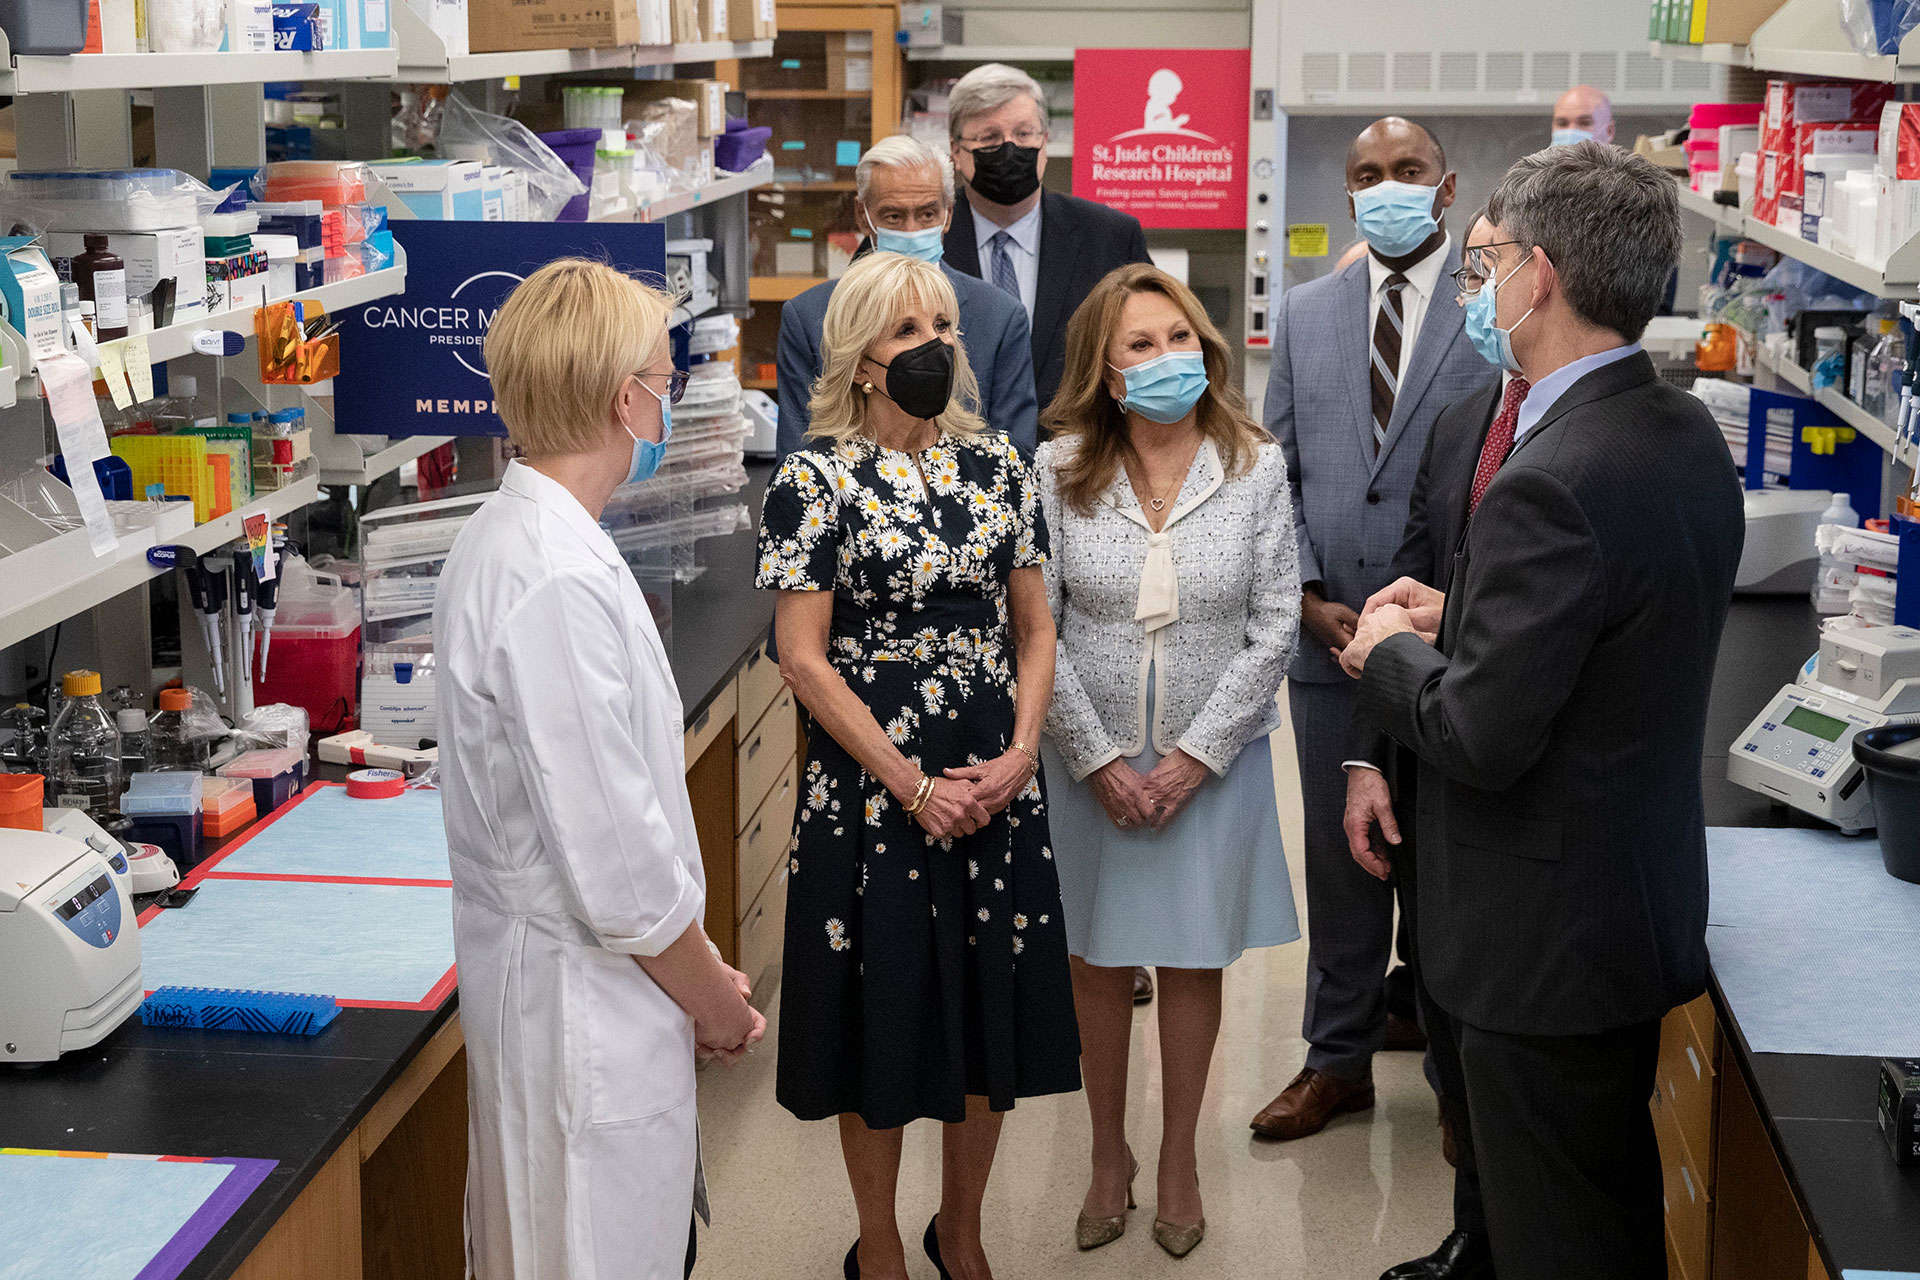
{"type": "Point", "coordinates": [867, 387]}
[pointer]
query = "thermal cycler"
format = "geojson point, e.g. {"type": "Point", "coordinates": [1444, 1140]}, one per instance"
{"type": "Point", "coordinates": [1799, 749]}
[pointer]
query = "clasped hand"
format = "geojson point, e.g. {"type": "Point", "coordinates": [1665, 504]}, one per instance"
{"type": "Point", "coordinates": [1405, 605]}
{"type": "Point", "coordinates": [964, 799]}
{"type": "Point", "coordinates": [1135, 799]}
{"type": "Point", "coordinates": [728, 1046]}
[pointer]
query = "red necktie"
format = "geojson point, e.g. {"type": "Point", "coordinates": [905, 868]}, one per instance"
{"type": "Point", "coordinates": [1499, 440]}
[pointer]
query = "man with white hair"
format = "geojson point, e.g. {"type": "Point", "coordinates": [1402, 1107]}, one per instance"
{"type": "Point", "coordinates": [1046, 249]}
{"type": "Point", "coordinates": [903, 203]}
{"type": "Point", "coordinates": [1582, 114]}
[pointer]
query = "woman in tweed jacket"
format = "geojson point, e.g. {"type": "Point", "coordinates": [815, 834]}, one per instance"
{"type": "Point", "coordinates": [1175, 589]}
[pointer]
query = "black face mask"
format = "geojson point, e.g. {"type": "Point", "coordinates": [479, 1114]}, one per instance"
{"type": "Point", "coordinates": [920, 380]}
{"type": "Point", "coordinates": [1006, 174]}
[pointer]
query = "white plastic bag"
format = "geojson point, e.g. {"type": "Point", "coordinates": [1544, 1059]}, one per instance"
{"type": "Point", "coordinates": [550, 183]}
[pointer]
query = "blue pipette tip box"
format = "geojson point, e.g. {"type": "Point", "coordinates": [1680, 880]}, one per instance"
{"type": "Point", "coordinates": [226, 1009]}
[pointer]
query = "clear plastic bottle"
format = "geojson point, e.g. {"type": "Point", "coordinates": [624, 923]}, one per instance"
{"type": "Point", "coordinates": [1840, 511]}
{"type": "Point", "coordinates": [183, 409]}
{"type": "Point", "coordinates": [1888, 370]}
{"type": "Point", "coordinates": [168, 747]}
{"type": "Point", "coordinates": [132, 723]}
{"type": "Point", "coordinates": [85, 750]}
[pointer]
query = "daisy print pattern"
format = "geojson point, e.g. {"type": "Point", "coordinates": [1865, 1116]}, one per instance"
{"type": "Point", "coordinates": [918, 552]}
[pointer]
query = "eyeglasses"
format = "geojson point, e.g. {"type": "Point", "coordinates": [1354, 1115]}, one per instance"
{"type": "Point", "coordinates": [1027, 137]}
{"type": "Point", "coordinates": [1480, 263]}
{"type": "Point", "coordinates": [676, 383]}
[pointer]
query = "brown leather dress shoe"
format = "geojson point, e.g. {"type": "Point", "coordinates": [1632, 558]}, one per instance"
{"type": "Point", "coordinates": [1404, 1035]}
{"type": "Point", "coordinates": [1305, 1106]}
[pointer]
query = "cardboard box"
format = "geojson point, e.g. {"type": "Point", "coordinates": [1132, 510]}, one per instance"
{"type": "Point", "coordinates": [514, 186]}
{"type": "Point", "coordinates": [1838, 138]}
{"type": "Point", "coordinates": [501, 26]}
{"type": "Point", "coordinates": [30, 292]}
{"type": "Point", "coordinates": [1791, 104]}
{"type": "Point", "coordinates": [1897, 153]}
{"type": "Point", "coordinates": [686, 21]}
{"type": "Point", "coordinates": [850, 61]}
{"type": "Point", "coordinates": [709, 99]}
{"type": "Point", "coordinates": [437, 190]}
{"type": "Point", "coordinates": [1728, 21]}
{"type": "Point", "coordinates": [370, 23]}
{"type": "Point", "coordinates": [151, 256]}
{"type": "Point", "coordinates": [714, 20]}
{"type": "Point", "coordinates": [656, 22]}
{"type": "Point", "coordinates": [493, 193]}
{"type": "Point", "coordinates": [751, 20]}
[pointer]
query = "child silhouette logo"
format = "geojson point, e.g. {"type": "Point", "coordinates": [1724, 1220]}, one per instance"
{"type": "Point", "coordinates": [1163, 88]}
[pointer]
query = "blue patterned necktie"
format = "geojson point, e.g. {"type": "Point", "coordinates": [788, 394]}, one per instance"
{"type": "Point", "coordinates": [1003, 277]}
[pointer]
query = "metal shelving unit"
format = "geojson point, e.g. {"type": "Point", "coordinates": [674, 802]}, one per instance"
{"type": "Point", "coordinates": [80, 72]}
{"type": "Point", "coordinates": [1804, 38]}
{"type": "Point", "coordinates": [1898, 279]}
{"type": "Point", "coordinates": [424, 59]}
{"type": "Point", "coordinates": [1015, 53]}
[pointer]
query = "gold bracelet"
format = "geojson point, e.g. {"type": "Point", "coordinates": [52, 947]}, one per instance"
{"type": "Point", "coordinates": [922, 793]}
{"type": "Point", "coordinates": [1029, 753]}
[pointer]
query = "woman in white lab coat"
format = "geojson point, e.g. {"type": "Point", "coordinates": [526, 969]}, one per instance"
{"type": "Point", "coordinates": [587, 986]}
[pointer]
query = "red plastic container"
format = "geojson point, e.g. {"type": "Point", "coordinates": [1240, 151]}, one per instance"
{"type": "Point", "coordinates": [319, 672]}
{"type": "Point", "coordinates": [22, 797]}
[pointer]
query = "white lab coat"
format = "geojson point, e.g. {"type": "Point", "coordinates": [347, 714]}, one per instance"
{"type": "Point", "coordinates": [573, 851]}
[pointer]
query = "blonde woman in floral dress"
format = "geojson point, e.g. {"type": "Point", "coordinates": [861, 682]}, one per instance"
{"type": "Point", "coordinates": [926, 966]}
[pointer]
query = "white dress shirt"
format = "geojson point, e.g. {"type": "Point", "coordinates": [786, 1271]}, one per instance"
{"type": "Point", "coordinates": [1026, 251]}
{"type": "Point", "coordinates": [1550, 388]}
{"type": "Point", "coordinates": [1423, 281]}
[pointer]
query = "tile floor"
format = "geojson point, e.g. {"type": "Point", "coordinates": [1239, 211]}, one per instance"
{"type": "Point", "coordinates": [1369, 1192]}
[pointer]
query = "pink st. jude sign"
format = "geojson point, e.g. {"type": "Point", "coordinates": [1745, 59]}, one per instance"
{"type": "Point", "coordinates": [1162, 134]}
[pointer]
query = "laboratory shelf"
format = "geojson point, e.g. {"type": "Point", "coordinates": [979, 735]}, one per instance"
{"type": "Point", "coordinates": [75, 73]}
{"type": "Point", "coordinates": [1804, 37]}
{"type": "Point", "coordinates": [374, 466]}
{"type": "Point", "coordinates": [424, 58]}
{"type": "Point", "coordinates": [991, 53]}
{"type": "Point", "coordinates": [35, 602]}
{"type": "Point", "coordinates": [780, 288]}
{"type": "Point", "coordinates": [176, 340]}
{"type": "Point", "coordinates": [1865, 423]}
{"type": "Point", "coordinates": [1784, 368]}
{"type": "Point", "coordinates": [1898, 279]}
{"type": "Point", "coordinates": [666, 206]}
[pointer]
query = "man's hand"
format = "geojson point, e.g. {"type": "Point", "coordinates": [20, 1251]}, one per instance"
{"type": "Point", "coordinates": [1422, 602]}
{"type": "Point", "coordinates": [1383, 621]}
{"type": "Point", "coordinates": [1328, 621]}
{"type": "Point", "coordinates": [1368, 802]}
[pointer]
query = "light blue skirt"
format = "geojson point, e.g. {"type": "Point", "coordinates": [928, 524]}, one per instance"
{"type": "Point", "coordinates": [1193, 895]}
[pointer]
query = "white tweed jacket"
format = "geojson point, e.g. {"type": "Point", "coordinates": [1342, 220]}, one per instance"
{"type": "Point", "coordinates": [1217, 667]}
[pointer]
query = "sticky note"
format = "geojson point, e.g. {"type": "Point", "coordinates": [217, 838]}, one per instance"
{"type": "Point", "coordinates": [139, 367]}
{"type": "Point", "coordinates": [113, 367]}
{"type": "Point", "coordinates": [846, 153]}
{"type": "Point", "coordinates": [802, 233]}
{"type": "Point", "coordinates": [1307, 240]}
{"type": "Point", "coordinates": [789, 64]}
{"type": "Point", "coordinates": [793, 146]}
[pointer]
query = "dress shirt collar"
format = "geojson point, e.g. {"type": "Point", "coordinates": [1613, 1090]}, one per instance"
{"type": "Point", "coordinates": [522, 481]}
{"type": "Point", "coordinates": [1423, 276]}
{"type": "Point", "coordinates": [1556, 384]}
{"type": "Point", "coordinates": [1025, 231]}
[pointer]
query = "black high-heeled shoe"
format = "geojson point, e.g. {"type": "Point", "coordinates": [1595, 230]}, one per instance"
{"type": "Point", "coordinates": [931, 1243]}
{"type": "Point", "coordinates": [853, 1261]}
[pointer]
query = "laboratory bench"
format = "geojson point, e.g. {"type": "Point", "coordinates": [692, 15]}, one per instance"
{"type": "Point", "coordinates": [1774, 1163]}
{"type": "Point", "coordinates": [367, 1120]}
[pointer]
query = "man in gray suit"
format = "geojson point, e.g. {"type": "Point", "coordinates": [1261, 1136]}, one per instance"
{"type": "Point", "coordinates": [903, 201]}
{"type": "Point", "coordinates": [1364, 360]}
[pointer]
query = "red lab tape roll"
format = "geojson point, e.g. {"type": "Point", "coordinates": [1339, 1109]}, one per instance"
{"type": "Point", "coordinates": [375, 784]}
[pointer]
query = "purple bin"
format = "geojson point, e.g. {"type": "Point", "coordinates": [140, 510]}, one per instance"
{"type": "Point", "coordinates": [737, 148]}
{"type": "Point", "coordinates": [576, 148]}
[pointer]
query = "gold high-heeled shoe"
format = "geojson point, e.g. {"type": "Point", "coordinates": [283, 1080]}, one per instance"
{"type": "Point", "coordinates": [1091, 1233]}
{"type": "Point", "coordinates": [1179, 1241]}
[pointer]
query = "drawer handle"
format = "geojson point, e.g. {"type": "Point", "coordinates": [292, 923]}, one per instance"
{"type": "Point", "coordinates": [753, 748]}
{"type": "Point", "coordinates": [1688, 1179]}
{"type": "Point", "coordinates": [1694, 1058]}
{"type": "Point", "coordinates": [755, 835]}
{"type": "Point", "coordinates": [700, 725]}
{"type": "Point", "coordinates": [753, 659]}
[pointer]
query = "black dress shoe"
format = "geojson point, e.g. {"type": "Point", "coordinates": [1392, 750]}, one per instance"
{"type": "Point", "coordinates": [853, 1261]}
{"type": "Point", "coordinates": [1461, 1256]}
{"type": "Point", "coordinates": [931, 1243]}
{"type": "Point", "coordinates": [1143, 986]}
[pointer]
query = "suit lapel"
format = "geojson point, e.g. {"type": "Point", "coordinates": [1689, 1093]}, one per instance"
{"type": "Point", "coordinates": [1059, 254]}
{"type": "Point", "coordinates": [1605, 381]}
{"type": "Point", "coordinates": [1442, 326]}
{"type": "Point", "coordinates": [1460, 469]}
{"type": "Point", "coordinates": [1355, 287]}
{"type": "Point", "coordinates": [958, 250]}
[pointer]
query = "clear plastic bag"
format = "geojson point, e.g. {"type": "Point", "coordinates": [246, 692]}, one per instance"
{"type": "Point", "coordinates": [106, 200]}
{"type": "Point", "coordinates": [1878, 26]}
{"type": "Point", "coordinates": [550, 183]}
{"type": "Point", "coordinates": [202, 719]}
{"type": "Point", "coordinates": [273, 726]}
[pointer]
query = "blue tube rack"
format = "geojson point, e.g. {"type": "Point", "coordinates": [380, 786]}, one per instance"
{"type": "Point", "coordinates": [227, 1009]}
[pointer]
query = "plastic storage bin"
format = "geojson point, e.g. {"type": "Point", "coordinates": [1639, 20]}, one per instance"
{"type": "Point", "coordinates": [226, 806]}
{"type": "Point", "coordinates": [576, 148]}
{"type": "Point", "coordinates": [22, 797]}
{"type": "Point", "coordinates": [164, 810]}
{"type": "Point", "coordinates": [45, 26]}
{"type": "Point", "coordinates": [276, 775]}
{"type": "Point", "coordinates": [1890, 755]}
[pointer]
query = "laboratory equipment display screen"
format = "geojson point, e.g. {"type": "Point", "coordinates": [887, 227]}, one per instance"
{"type": "Point", "coordinates": [82, 900]}
{"type": "Point", "coordinates": [1825, 728]}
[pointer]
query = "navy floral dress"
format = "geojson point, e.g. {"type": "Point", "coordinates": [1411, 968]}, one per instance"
{"type": "Point", "coordinates": [917, 971]}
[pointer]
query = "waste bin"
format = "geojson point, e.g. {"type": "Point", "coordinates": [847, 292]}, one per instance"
{"type": "Point", "coordinates": [1890, 755]}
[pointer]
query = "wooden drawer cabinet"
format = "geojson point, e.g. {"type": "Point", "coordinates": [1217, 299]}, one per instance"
{"type": "Point", "coordinates": [713, 724]}
{"type": "Point", "coordinates": [764, 931]}
{"type": "Point", "coordinates": [759, 684]}
{"type": "Point", "coordinates": [1687, 1080]}
{"type": "Point", "coordinates": [764, 843]}
{"type": "Point", "coordinates": [1689, 1205]}
{"type": "Point", "coordinates": [765, 754]}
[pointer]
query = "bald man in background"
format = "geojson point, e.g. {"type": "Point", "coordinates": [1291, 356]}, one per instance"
{"type": "Point", "coordinates": [1582, 114]}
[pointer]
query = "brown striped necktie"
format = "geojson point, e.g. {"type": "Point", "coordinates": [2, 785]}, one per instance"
{"type": "Point", "coordinates": [1388, 327]}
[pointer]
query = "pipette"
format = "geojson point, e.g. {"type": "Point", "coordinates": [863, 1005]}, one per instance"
{"type": "Point", "coordinates": [243, 592]}
{"type": "Point", "coordinates": [267, 594]}
{"type": "Point", "coordinates": [200, 592]}
{"type": "Point", "coordinates": [216, 606]}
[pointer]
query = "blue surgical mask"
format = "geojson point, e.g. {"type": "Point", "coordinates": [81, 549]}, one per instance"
{"type": "Point", "coordinates": [647, 453]}
{"type": "Point", "coordinates": [1395, 218]}
{"type": "Point", "coordinates": [1165, 388]}
{"type": "Point", "coordinates": [928, 245]}
{"type": "Point", "coordinates": [1494, 344]}
{"type": "Point", "coordinates": [1567, 137]}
